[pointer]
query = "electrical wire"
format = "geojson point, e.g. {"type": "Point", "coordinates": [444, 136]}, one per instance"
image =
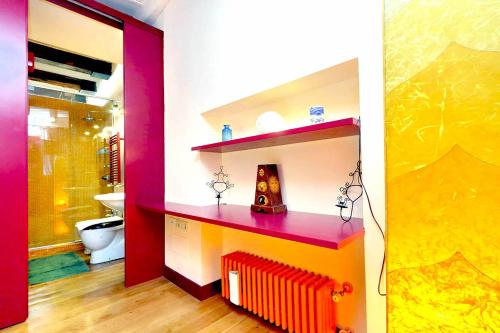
{"type": "Point", "coordinates": [345, 191]}
{"type": "Point", "coordinates": [383, 237]}
{"type": "Point", "coordinates": [373, 216]}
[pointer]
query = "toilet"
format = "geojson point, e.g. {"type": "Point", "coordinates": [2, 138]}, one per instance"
{"type": "Point", "coordinates": [104, 238]}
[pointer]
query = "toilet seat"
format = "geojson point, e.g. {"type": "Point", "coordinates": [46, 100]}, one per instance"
{"type": "Point", "coordinates": [109, 223]}
{"type": "Point", "coordinates": [105, 225]}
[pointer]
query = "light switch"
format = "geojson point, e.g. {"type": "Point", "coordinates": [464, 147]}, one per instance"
{"type": "Point", "coordinates": [181, 225]}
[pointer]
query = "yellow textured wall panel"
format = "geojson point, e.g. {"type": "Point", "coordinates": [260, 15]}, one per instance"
{"type": "Point", "coordinates": [442, 68]}
{"type": "Point", "coordinates": [454, 100]}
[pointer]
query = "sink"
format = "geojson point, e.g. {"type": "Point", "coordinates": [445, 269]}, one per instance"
{"type": "Point", "coordinates": [114, 201]}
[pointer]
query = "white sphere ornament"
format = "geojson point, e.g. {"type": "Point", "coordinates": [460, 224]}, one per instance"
{"type": "Point", "coordinates": [270, 121]}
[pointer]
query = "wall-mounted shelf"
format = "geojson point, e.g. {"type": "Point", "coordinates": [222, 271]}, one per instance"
{"type": "Point", "coordinates": [322, 131]}
{"type": "Point", "coordinates": [316, 229]}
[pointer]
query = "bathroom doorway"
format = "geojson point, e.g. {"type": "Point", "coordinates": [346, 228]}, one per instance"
{"type": "Point", "coordinates": [141, 47]}
{"type": "Point", "coordinates": [75, 143]}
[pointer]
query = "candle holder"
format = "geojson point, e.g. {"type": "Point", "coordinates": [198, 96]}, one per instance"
{"type": "Point", "coordinates": [220, 184]}
{"type": "Point", "coordinates": [349, 195]}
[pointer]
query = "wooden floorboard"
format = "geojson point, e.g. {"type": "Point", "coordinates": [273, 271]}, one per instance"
{"type": "Point", "coordinates": [97, 301]}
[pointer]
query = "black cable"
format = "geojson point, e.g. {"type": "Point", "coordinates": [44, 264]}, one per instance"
{"type": "Point", "coordinates": [371, 212]}
{"type": "Point", "coordinates": [342, 205]}
{"type": "Point", "coordinates": [381, 232]}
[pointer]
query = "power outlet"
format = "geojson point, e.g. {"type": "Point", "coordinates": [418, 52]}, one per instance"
{"type": "Point", "coordinates": [180, 225]}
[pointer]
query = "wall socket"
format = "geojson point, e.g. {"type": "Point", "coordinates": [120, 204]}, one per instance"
{"type": "Point", "coordinates": [180, 225]}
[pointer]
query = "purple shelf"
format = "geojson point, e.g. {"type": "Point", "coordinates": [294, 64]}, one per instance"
{"type": "Point", "coordinates": [322, 131]}
{"type": "Point", "coordinates": [315, 229]}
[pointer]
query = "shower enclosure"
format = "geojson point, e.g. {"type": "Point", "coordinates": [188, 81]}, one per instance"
{"type": "Point", "coordinates": [66, 166]}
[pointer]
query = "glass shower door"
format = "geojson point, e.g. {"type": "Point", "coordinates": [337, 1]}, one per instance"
{"type": "Point", "coordinates": [65, 168]}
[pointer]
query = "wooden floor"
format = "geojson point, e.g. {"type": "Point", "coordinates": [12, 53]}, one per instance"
{"type": "Point", "coordinates": [98, 302]}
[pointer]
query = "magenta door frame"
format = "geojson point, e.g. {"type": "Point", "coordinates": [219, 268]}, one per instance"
{"type": "Point", "coordinates": [13, 162]}
{"type": "Point", "coordinates": [144, 149]}
{"type": "Point", "coordinates": [144, 152]}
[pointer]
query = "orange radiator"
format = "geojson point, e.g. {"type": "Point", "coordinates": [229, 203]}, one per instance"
{"type": "Point", "coordinates": [291, 298]}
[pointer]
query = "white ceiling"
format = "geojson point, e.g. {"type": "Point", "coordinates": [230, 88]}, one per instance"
{"type": "Point", "coordinates": [55, 26]}
{"type": "Point", "coordinates": [145, 10]}
{"type": "Point", "coordinates": [58, 27]}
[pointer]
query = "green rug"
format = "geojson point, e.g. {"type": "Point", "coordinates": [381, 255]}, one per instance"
{"type": "Point", "coordinates": [55, 267]}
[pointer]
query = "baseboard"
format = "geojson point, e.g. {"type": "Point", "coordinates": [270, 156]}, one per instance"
{"type": "Point", "coordinates": [49, 250]}
{"type": "Point", "coordinates": [192, 288]}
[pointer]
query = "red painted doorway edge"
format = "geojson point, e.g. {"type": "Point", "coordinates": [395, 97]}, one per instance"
{"type": "Point", "coordinates": [13, 162]}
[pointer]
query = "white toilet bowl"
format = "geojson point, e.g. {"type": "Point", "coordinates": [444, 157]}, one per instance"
{"type": "Point", "coordinates": [103, 237]}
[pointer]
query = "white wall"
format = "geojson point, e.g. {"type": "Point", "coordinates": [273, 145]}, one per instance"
{"type": "Point", "coordinates": [183, 243]}
{"type": "Point", "coordinates": [371, 84]}
{"type": "Point", "coordinates": [219, 51]}
{"type": "Point", "coordinates": [194, 249]}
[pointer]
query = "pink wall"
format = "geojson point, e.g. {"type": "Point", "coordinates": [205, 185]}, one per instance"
{"type": "Point", "coordinates": [144, 152]}
{"type": "Point", "coordinates": [13, 162]}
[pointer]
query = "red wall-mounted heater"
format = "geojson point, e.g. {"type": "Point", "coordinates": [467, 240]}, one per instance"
{"type": "Point", "coordinates": [293, 299]}
{"type": "Point", "coordinates": [114, 159]}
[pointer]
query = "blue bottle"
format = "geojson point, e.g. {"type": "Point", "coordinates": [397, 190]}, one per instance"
{"type": "Point", "coordinates": [227, 133]}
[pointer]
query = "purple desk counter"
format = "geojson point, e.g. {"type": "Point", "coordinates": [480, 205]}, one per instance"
{"type": "Point", "coordinates": [316, 229]}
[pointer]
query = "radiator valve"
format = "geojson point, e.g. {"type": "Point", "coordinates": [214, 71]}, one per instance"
{"type": "Point", "coordinates": [338, 294]}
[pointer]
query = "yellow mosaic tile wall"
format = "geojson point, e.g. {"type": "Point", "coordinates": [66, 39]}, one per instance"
{"type": "Point", "coordinates": [442, 70]}
{"type": "Point", "coordinates": [63, 169]}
